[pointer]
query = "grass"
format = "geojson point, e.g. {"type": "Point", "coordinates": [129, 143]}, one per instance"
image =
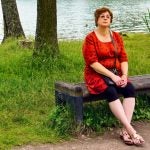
{"type": "Point", "coordinates": [27, 88]}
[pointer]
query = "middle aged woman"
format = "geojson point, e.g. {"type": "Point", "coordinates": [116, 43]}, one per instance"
{"type": "Point", "coordinates": [102, 47]}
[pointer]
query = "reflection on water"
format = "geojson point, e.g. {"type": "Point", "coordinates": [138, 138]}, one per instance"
{"type": "Point", "coordinates": [75, 17]}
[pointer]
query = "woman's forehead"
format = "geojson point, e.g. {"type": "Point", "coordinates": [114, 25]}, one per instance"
{"type": "Point", "coordinates": [106, 12]}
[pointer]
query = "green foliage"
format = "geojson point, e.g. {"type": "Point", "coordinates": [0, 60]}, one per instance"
{"type": "Point", "coordinates": [146, 20]}
{"type": "Point", "coordinates": [142, 109]}
{"type": "Point", "coordinates": [61, 120]}
{"type": "Point", "coordinates": [98, 116]}
{"type": "Point", "coordinates": [27, 110]}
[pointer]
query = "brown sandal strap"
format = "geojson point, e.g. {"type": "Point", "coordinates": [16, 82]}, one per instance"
{"type": "Point", "coordinates": [137, 139]}
{"type": "Point", "coordinates": [126, 137]}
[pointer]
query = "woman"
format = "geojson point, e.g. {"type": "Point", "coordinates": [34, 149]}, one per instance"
{"type": "Point", "coordinates": [99, 53]}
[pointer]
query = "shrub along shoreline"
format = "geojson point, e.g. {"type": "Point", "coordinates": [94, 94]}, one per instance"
{"type": "Point", "coordinates": [27, 110]}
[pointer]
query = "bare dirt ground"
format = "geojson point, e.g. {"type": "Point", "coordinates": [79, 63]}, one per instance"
{"type": "Point", "coordinates": [109, 141]}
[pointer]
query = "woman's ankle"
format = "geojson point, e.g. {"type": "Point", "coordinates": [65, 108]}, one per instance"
{"type": "Point", "coordinates": [131, 131]}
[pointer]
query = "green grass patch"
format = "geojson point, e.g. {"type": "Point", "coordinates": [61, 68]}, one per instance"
{"type": "Point", "coordinates": [27, 110]}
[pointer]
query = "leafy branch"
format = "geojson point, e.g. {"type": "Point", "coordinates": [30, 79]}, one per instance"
{"type": "Point", "coordinates": [146, 20]}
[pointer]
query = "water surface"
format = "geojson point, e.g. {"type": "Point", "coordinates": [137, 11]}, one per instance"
{"type": "Point", "coordinates": [75, 17]}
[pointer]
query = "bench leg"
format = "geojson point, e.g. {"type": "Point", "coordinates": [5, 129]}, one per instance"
{"type": "Point", "coordinates": [75, 102]}
{"type": "Point", "coordinates": [60, 98]}
{"type": "Point", "coordinates": [78, 109]}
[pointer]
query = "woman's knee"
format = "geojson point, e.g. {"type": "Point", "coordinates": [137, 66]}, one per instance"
{"type": "Point", "coordinates": [129, 91]}
{"type": "Point", "coordinates": [111, 94]}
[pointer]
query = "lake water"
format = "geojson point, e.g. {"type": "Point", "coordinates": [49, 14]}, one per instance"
{"type": "Point", "coordinates": [75, 17]}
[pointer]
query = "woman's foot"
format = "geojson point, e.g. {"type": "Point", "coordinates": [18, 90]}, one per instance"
{"type": "Point", "coordinates": [126, 137]}
{"type": "Point", "coordinates": [137, 139]}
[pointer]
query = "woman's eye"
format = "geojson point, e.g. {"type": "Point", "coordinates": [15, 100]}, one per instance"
{"type": "Point", "coordinates": [103, 16]}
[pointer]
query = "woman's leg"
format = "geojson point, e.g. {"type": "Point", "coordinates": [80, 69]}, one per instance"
{"type": "Point", "coordinates": [124, 118]}
{"type": "Point", "coordinates": [128, 106]}
{"type": "Point", "coordinates": [129, 100]}
{"type": "Point", "coordinates": [118, 110]}
{"type": "Point", "coordinates": [117, 107]}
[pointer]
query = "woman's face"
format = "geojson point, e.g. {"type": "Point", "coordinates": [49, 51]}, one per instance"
{"type": "Point", "coordinates": [104, 20]}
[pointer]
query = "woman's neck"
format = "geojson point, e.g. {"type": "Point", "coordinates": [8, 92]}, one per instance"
{"type": "Point", "coordinates": [103, 31]}
{"type": "Point", "coordinates": [103, 34]}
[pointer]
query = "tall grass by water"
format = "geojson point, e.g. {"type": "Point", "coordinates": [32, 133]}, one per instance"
{"type": "Point", "coordinates": [27, 89]}
{"type": "Point", "coordinates": [146, 20]}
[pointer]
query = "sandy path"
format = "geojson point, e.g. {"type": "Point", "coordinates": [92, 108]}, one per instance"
{"type": "Point", "coordinates": [109, 141]}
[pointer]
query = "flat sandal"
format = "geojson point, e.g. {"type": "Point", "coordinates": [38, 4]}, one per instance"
{"type": "Point", "coordinates": [126, 137]}
{"type": "Point", "coordinates": [137, 139]}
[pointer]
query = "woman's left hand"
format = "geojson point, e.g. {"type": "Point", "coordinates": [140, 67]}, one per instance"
{"type": "Point", "coordinates": [123, 81]}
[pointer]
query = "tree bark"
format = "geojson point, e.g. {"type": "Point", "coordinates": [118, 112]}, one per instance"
{"type": "Point", "coordinates": [46, 42]}
{"type": "Point", "coordinates": [12, 24]}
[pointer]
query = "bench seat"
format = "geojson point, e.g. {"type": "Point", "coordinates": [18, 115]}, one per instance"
{"type": "Point", "coordinates": [76, 94]}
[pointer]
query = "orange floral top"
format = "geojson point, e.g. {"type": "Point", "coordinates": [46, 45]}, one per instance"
{"type": "Point", "coordinates": [103, 52]}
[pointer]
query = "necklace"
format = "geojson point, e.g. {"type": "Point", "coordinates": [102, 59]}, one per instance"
{"type": "Point", "coordinates": [103, 36]}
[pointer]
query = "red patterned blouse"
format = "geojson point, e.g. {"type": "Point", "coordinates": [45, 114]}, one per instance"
{"type": "Point", "coordinates": [103, 52]}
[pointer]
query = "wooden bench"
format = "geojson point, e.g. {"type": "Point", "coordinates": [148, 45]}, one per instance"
{"type": "Point", "coordinates": [76, 94]}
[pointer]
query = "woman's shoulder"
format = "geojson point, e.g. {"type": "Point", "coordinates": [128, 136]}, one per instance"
{"type": "Point", "coordinates": [90, 35]}
{"type": "Point", "coordinates": [117, 35]}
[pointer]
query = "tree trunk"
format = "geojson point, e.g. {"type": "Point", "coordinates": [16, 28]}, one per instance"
{"type": "Point", "coordinates": [12, 24]}
{"type": "Point", "coordinates": [46, 42]}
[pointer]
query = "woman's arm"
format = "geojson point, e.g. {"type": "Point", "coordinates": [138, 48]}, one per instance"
{"type": "Point", "coordinates": [124, 69]}
{"type": "Point", "coordinates": [102, 70]}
